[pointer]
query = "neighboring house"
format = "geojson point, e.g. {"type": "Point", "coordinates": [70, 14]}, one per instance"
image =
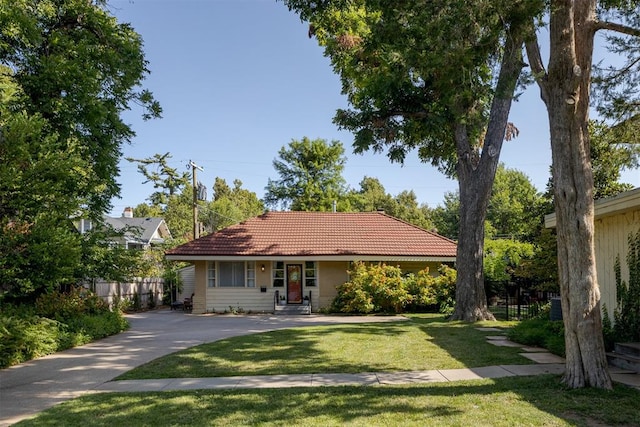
{"type": "Point", "coordinates": [299, 254]}
{"type": "Point", "coordinates": [615, 218]}
{"type": "Point", "coordinates": [139, 233]}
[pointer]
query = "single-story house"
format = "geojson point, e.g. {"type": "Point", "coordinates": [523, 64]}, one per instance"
{"type": "Point", "coordinates": [615, 218]}
{"type": "Point", "coordinates": [301, 256]}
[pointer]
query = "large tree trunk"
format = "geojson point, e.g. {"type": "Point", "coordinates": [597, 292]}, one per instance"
{"type": "Point", "coordinates": [475, 180]}
{"type": "Point", "coordinates": [567, 100]}
{"type": "Point", "coordinates": [471, 299]}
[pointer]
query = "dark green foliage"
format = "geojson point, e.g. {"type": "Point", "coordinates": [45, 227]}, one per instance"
{"type": "Point", "coordinates": [626, 326]}
{"type": "Point", "coordinates": [381, 288]}
{"type": "Point", "coordinates": [56, 322]}
{"type": "Point", "coordinates": [136, 304]}
{"type": "Point", "coordinates": [67, 72]}
{"type": "Point", "coordinates": [540, 332]}
{"type": "Point", "coordinates": [63, 306]}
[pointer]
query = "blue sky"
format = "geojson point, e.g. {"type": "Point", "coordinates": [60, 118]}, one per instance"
{"type": "Point", "coordinates": [239, 79]}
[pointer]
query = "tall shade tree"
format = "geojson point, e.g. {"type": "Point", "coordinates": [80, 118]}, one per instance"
{"type": "Point", "coordinates": [79, 69]}
{"type": "Point", "coordinates": [565, 88]}
{"type": "Point", "coordinates": [436, 76]}
{"type": "Point", "coordinates": [310, 176]}
{"type": "Point", "coordinates": [68, 70]}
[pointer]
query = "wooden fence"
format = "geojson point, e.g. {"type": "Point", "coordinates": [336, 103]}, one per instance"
{"type": "Point", "coordinates": [147, 290]}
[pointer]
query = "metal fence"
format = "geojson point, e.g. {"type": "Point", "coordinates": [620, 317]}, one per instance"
{"type": "Point", "coordinates": [516, 302]}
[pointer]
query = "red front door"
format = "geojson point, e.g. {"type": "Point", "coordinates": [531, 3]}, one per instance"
{"type": "Point", "coordinates": [294, 284]}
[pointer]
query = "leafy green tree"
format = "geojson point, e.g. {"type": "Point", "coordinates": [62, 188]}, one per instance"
{"type": "Point", "coordinates": [230, 206]}
{"type": "Point", "coordinates": [446, 218]}
{"type": "Point", "coordinates": [165, 178]}
{"type": "Point", "coordinates": [437, 77]}
{"type": "Point", "coordinates": [565, 88]}
{"type": "Point", "coordinates": [516, 207]}
{"type": "Point", "coordinates": [372, 197]}
{"type": "Point", "coordinates": [310, 176]}
{"type": "Point", "coordinates": [67, 71]}
{"type": "Point", "coordinates": [78, 69]}
{"type": "Point", "coordinates": [502, 259]}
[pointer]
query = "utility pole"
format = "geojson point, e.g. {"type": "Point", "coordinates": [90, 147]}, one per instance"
{"type": "Point", "coordinates": [196, 227]}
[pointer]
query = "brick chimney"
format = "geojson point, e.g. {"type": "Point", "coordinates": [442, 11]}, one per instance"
{"type": "Point", "coordinates": [128, 212]}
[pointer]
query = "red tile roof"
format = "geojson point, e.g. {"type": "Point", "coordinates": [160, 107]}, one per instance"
{"type": "Point", "coordinates": [286, 234]}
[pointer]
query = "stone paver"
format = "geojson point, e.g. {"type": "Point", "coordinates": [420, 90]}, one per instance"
{"type": "Point", "coordinates": [543, 357]}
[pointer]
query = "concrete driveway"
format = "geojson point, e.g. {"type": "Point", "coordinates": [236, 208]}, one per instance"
{"type": "Point", "coordinates": [34, 386]}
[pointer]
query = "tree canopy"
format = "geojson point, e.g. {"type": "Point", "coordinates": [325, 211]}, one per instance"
{"type": "Point", "coordinates": [437, 77]}
{"type": "Point", "coordinates": [67, 72]}
{"type": "Point", "coordinates": [310, 176]}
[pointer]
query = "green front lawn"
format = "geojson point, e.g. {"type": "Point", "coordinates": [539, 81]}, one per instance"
{"type": "Point", "coordinates": [424, 342]}
{"type": "Point", "coordinates": [514, 401]}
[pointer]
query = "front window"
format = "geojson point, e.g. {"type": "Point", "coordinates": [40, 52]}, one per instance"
{"type": "Point", "coordinates": [251, 274]}
{"type": "Point", "coordinates": [211, 274]}
{"type": "Point", "coordinates": [310, 273]}
{"type": "Point", "coordinates": [231, 274]}
{"type": "Point", "coordinates": [277, 270]}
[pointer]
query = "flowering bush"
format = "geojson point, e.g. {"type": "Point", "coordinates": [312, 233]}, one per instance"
{"type": "Point", "coordinates": [383, 288]}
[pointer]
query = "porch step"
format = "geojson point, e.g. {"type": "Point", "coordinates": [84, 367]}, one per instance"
{"type": "Point", "coordinates": [292, 309]}
{"type": "Point", "coordinates": [625, 356]}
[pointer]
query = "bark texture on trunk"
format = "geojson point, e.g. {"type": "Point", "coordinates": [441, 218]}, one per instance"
{"type": "Point", "coordinates": [475, 180]}
{"type": "Point", "coordinates": [567, 99]}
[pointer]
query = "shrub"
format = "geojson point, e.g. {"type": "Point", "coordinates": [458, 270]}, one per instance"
{"type": "Point", "coordinates": [68, 305]}
{"type": "Point", "coordinates": [25, 337]}
{"type": "Point", "coordinates": [540, 332]}
{"type": "Point", "coordinates": [382, 288]}
{"type": "Point", "coordinates": [56, 322]}
{"type": "Point", "coordinates": [152, 300]}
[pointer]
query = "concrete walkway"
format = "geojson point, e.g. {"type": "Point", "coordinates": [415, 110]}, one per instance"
{"type": "Point", "coordinates": [34, 386]}
{"type": "Point", "coordinates": [328, 380]}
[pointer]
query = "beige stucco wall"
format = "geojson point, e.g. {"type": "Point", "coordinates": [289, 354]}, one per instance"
{"type": "Point", "coordinates": [611, 240]}
{"type": "Point", "coordinates": [331, 274]}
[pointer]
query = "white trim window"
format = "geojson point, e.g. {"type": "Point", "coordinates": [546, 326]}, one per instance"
{"type": "Point", "coordinates": [231, 274]}
{"type": "Point", "coordinates": [277, 272]}
{"type": "Point", "coordinates": [211, 274]}
{"type": "Point", "coordinates": [310, 274]}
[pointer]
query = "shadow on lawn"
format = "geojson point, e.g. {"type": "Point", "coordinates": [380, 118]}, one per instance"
{"type": "Point", "coordinates": [505, 401]}
{"type": "Point", "coordinates": [429, 342]}
{"type": "Point", "coordinates": [465, 343]}
{"type": "Point", "coordinates": [284, 351]}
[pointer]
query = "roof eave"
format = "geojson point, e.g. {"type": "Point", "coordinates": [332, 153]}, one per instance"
{"type": "Point", "coordinates": [391, 258]}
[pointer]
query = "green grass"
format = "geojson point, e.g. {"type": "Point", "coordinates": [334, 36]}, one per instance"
{"type": "Point", "coordinates": [514, 401]}
{"type": "Point", "coordinates": [424, 342]}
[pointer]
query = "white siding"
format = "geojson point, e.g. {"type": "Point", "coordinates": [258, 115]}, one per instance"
{"type": "Point", "coordinates": [188, 277]}
{"type": "Point", "coordinates": [611, 240]}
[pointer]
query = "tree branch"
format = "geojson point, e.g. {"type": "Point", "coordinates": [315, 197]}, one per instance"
{"type": "Point", "coordinates": [619, 28]}
{"type": "Point", "coordinates": [535, 62]}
